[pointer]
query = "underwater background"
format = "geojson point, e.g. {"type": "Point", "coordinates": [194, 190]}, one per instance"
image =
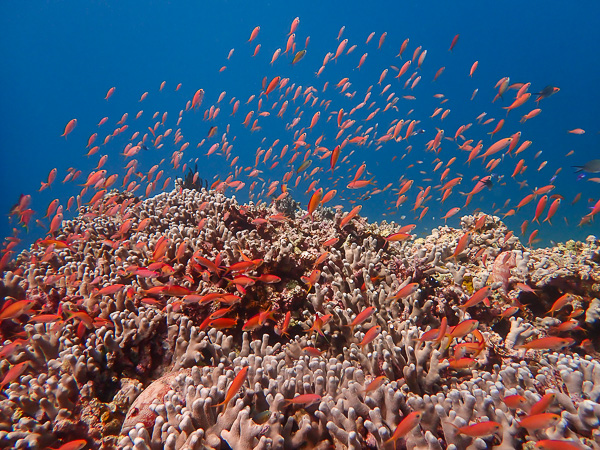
{"type": "Point", "coordinates": [61, 57]}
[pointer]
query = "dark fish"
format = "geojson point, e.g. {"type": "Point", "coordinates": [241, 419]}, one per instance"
{"type": "Point", "coordinates": [546, 92]}
{"type": "Point", "coordinates": [592, 166]}
{"type": "Point", "coordinates": [298, 56]}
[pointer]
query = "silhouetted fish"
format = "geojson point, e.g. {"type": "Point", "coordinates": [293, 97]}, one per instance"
{"type": "Point", "coordinates": [546, 92]}
{"type": "Point", "coordinates": [592, 166]}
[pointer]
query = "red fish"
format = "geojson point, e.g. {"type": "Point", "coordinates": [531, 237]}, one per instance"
{"type": "Point", "coordinates": [362, 316]}
{"type": "Point", "coordinates": [555, 444]}
{"type": "Point", "coordinates": [405, 426]}
{"type": "Point", "coordinates": [375, 384]}
{"type": "Point", "coordinates": [479, 296]}
{"type": "Point", "coordinates": [304, 399]}
{"type": "Point", "coordinates": [541, 405]}
{"type": "Point", "coordinates": [311, 279]}
{"type": "Point", "coordinates": [13, 373]}
{"type": "Point", "coordinates": [539, 421]}
{"type": "Point", "coordinates": [254, 34]}
{"type": "Point", "coordinates": [282, 330]}
{"type": "Point", "coordinates": [314, 202]}
{"type": "Point", "coordinates": [14, 310]}
{"type": "Point", "coordinates": [70, 127]}
{"type": "Point", "coordinates": [350, 216]}
{"type": "Point", "coordinates": [235, 386]}
{"type": "Point", "coordinates": [370, 335]}
{"type": "Point", "coordinates": [481, 429]}
{"type": "Point", "coordinates": [454, 41]}
{"type": "Point", "coordinates": [547, 343]}
{"type": "Point", "coordinates": [407, 290]}
{"type": "Point", "coordinates": [77, 444]}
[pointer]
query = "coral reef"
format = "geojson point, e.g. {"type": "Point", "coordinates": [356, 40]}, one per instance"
{"type": "Point", "coordinates": [189, 321]}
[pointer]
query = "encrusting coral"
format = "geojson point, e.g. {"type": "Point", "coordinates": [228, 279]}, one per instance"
{"type": "Point", "coordinates": [188, 321]}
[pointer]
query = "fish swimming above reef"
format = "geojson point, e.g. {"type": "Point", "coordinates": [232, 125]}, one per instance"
{"type": "Point", "coordinates": [592, 166]}
{"type": "Point", "coordinates": [153, 290]}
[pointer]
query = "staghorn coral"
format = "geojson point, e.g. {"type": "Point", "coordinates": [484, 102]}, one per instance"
{"type": "Point", "coordinates": [156, 322]}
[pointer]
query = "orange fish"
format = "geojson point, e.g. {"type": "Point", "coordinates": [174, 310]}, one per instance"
{"type": "Point", "coordinates": [370, 335]}
{"type": "Point", "coordinates": [280, 331]}
{"type": "Point", "coordinates": [555, 444]}
{"type": "Point", "coordinates": [515, 401]}
{"type": "Point", "coordinates": [473, 68]}
{"type": "Point", "coordinates": [463, 328]}
{"type": "Point", "coordinates": [539, 421]}
{"type": "Point", "coordinates": [254, 34]}
{"type": "Point", "coordinates": [547, 343]}
{"type": "Point", "coordinates": [481, 429]}
{"type": "Point", "coordinates": [304, 399]}
{"type": "Point", "coordinates": [70, 126]}
{"type": "Point", "coordinates": [375, 384]}
{"type": "Point", "coordinates": [16, 309]}
{"type": "Point", "coordinates": [73, 445]}
{"type": "Point", "coordinates": [110, 92]}
{"type": "Point", "coordinates": [272, 85]}
{"type": "Point", "coordinates": [461, 245]}
{"type": "Point", "coordinates": [314, 202]}
{"type": "Point", "coordinates": [405, 426]}
{"type": "Point", "coordinates": [407, 290]}
{"type": "Point", "coordinates": [479, 296]}
{"type": "Point", "coordinates": [112, 289]}
{"type": "Point", "coordinates": [235, 386]}
{"type": "Point", "coordinates": [541, 405]}
{"type": "Point", "coordinates": [13, 373]}
{"type": "Point", "coordinates": [518, 102]}
{"type": "Point", "coordinates": [454, 41]}
{"type": "Point", "coordinates": [311, 279]}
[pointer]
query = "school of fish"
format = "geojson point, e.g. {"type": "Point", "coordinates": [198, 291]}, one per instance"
{"type": "Point", "coordinates": [327, 129]}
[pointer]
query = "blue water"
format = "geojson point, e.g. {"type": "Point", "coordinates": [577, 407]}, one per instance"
{"type": "Point", "coordinates": [60, 59]}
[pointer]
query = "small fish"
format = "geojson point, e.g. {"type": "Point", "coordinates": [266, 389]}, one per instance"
{"type": "Point", "coordinates": [280, 331]}
{"type": "Point", "coordinates": [454, 41]}
{"type": "Point", "coordinates": [13, 373]}
{"type": "Point", "coordinates": [312, 351]}
{"type": "Point", "coordinates": [478, 297]}
{"type": "Point", "coordinates": [463, 328]}
{"type": "Point", "coordinates": [362, 316]}
{"type": "Point", "coordinates": [346, 219]}
{"type": "Point", "coordinates": [235, 386]}
{"type": "Point", "coordinates": [304, 399]}
{"type": "Point", "coordinates": [375, 384]}
{"type": "Point", "coordinates": [16, 309]}
{"type": "Point", "coordinates": [515, 401]}
{"type": "Point", "coordinates": [539, 421]}
{"type": "Point", "coordinates": [560, 303]}
{"type": "Point", "coordinates": [547, 343]}
{"type": "Point", "coordinates": [254, 34]}
{"type": "Point", "coordinates": [407, 290]}
{"type": "Point", "coordinates": [405, 426]}
{"type": "Point", "coordinates": [548, 91]}
{"type": "Point", "coordinates": [542, 405]}
{"type": "Point", "coordinates": [72, 445]}
{"type": "Point", "coordinates": [481, 429]}
{"type": "Point", "coordinates": [555, 444]}
{"type": "Point", "coordinates": [370, 335]}
{"type": "Point", "coordinates": [298, 56]}
{"type": "Point", "coordinates": [69, 127]}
